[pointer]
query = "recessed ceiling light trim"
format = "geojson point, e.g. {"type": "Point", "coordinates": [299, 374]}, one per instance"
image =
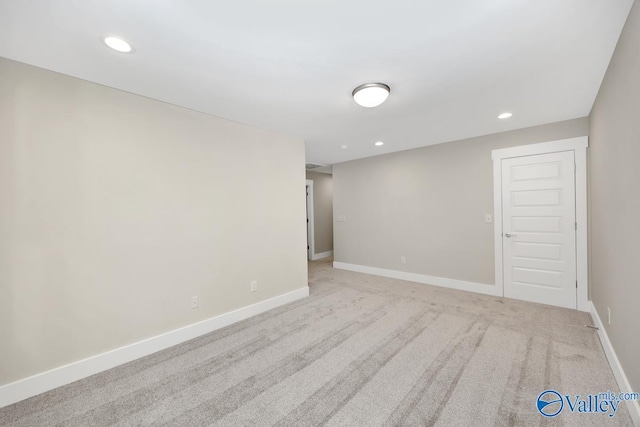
{"type": "Point", "coordinates": [371, 95]}
{"type": "Point", "coordinates": [117, 43]}
{"type": "Point", "coordinates": [505, 115]}
{"type": "Point", "coordinates": [379, 144]}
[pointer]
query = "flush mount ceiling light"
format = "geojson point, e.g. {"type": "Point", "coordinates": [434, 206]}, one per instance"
{"type": "Point", "coordinates": [344, 147]}
{"type": "Point", "coordinates": [118, 44]}
{"type": "Point", "coordinates": [371, 94]}
{"type": "Point", "coordinates": [379, 144]}
{"type": "Point", "coordinates": [505, 115]}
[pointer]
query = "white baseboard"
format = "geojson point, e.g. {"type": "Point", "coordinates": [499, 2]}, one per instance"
{"type": "Point", "coordinates": [321, 255]}
{"type": "Point", "coordinates": [40, 383]}
{"type": "Point", "coordinates": [461, 285]}
{"type": "Point", "coordinates": [616, 367]}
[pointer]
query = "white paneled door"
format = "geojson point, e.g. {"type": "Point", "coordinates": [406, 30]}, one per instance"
{"type": "Point", "coordinates": [539, 228]}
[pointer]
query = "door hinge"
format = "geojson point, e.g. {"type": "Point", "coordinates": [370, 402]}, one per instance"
{"type": "Point", "coordinates": [576, 284]}
{"type": "Point", "coordinates": [576, 225]}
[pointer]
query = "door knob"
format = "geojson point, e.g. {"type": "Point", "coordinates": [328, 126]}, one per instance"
{"type": "Point", "coordinates": [509, 235]}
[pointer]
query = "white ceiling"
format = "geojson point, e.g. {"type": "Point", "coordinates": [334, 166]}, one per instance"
{"type": "Point", "coordinates": [290, 65]}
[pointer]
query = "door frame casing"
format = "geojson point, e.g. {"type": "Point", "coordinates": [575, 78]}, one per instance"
{"type": "Point", "coordinates": [579, 147]}
{"type": "Point", "coordinates": [311, 252]}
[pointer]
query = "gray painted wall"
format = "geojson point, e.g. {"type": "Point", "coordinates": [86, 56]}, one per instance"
{"type": "Point", "coordinates": [428, 204]}
{"type": "Point", "coordinates": [614, 156]}
{"type": "Point", "coordinates": [116, 209]}
{"type": "Point", "coordinates": [322, 211]}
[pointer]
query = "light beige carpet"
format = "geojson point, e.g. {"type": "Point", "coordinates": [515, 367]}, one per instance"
{"type": "Point", "coordinates": [360, 351]}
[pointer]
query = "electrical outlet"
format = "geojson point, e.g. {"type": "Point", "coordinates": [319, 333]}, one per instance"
{"type": "Point", "coordinates": [608, 315]}
{"type": "Point", "coordinates": [403, 260]}
{"type": "Point", "coordinates": [488, 218]}
{"type": "Point", "coordinates": [195, 302]}
{"type": "Point", "coordinates": [254, 286]}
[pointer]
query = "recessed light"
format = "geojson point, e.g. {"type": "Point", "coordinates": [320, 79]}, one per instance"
{"type": "Point", "coordinates": [371, 94]}
{"type": "Point", "coordinates": [344, 147]}
{"type": "Point", "coordinates": [379, 144]}
{"type": "Point", "coordinates": [505, 115]}
{"type": "Point", "coordinates": [118, 44]}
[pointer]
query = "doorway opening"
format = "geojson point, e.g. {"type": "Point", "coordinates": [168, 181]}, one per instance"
{"type": "Point", "coordinates": [319, 214]}
{"type": "Point", "coordinates": [310, 222]}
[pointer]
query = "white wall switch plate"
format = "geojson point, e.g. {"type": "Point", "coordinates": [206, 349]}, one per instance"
{"type": "Point", "coordinates": [195, 302]}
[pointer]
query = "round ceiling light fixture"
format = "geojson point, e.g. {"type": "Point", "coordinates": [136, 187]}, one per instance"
{"type": "Point", "coordinates": [379, 144]}
{"type": "Point", "coordinates": [118, 44]}
{"type": "Point", "coordinates": [371, 95]}
{"type": "Point", "coordinates": [505, 115]}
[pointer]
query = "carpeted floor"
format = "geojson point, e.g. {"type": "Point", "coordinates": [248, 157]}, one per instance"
{"type": "Point", "coordinates": [360, 351]}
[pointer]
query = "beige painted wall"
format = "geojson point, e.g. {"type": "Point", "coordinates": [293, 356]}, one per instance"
{"type": "Point", "coordinates": [116, 209]}
{"type": "Point", "coordinates": [428, 204]}
{"type": "Point", "coordinates": [614, 156]}
{"type": "Point", "coordinates": [322, 211]}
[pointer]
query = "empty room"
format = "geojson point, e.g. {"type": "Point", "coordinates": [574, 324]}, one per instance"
{"type": "Point", "coordinates": [319, 213]}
